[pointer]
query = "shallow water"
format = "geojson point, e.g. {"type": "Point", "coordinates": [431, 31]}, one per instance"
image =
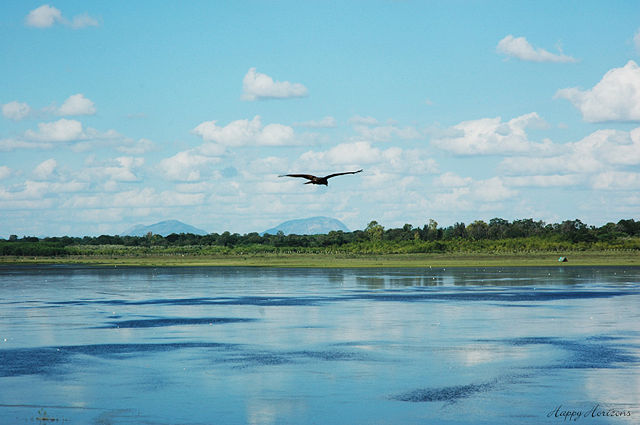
{"type": "Point", "coordinates": [91, 345]}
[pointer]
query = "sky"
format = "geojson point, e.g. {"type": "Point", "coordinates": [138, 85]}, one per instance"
{"type": "Point", "coordinates": [121, 113]}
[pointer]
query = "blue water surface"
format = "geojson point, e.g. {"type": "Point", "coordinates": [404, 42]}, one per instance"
{"type": "Point", "coordinates": [225, 345]}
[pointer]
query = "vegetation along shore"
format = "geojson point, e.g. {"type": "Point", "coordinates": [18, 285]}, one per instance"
{"type": "Point", "coordinates": [497, 243]}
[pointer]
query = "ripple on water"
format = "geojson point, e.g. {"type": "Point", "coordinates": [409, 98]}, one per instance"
{"type": "Point", "coordinates": [448, 394]}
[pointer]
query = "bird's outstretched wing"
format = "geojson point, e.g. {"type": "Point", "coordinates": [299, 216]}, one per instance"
{"type": "Point", "coordinates": [339, 174]}
{"type": "Point", "coordinates": [306, 176]}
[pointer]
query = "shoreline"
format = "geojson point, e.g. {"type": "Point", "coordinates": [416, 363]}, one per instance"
{"type": "Point", "coordinates": [535, 259]}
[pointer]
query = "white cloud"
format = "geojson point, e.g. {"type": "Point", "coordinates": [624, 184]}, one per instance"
{"type": "Point", "coordinates": [553, 180]}
{"type": "Point", "coordinates": [456, 200]}
{"type": "Point", "coordinates": [4, 172]}
{"type": "Point", "coordinates": [615, 98]}
{"type": "Point", "coordinates": [16, 110]}
{"type": "Point", "coordinates": [244, 133]}
{"type": "Point", "coordinates": [37, 190]}
{"type": "Point", "coordinates": [450, 179]}
{"type": "Point", "coordinates": [326, 122]}
{"type": "Point", "coordinates": [269, 165]}
{"type": "Point", "coordinates": [186, 166]}
{"type": "Point", "coordinates": [258, 86]}
{"type": "Point", "coordinates": [139, 147]}
{"type": "Point", "coordinates": [492, 190]}
{"type": "Point", "coordinates": [362, 153]}
{"type": "Point", "coordinates": [136, 198]}
{"type": "Point", "coordinates": [13, 144]}
{"type": "Point", "coordinates": [77, 104]}
{"type": "Point", "coordinates": [387, 133]}
{"type": "Point", "coordinates": [600, 160]}
{"type": "Point", "coordinates": [122, 169]}
{"type": "Point", "coordinates": [616, 180]}
{"type": "Point", "coordinates": [472, 195]}
{"type": "Point", "coordinates": [358, 120]}
{"type": "Point", "coordinates": [83, 20]}
{"type": "Point", "coordinates": [63, 130]}
{"type": "Point", "coordinates": [46, 16]}
{"type": "Point", "coordinates": [520, 48]}
{"type": "Point", "coordinates": [45, 169]}
{"type": "Point", "coordinates": [43, 17]}
{"type": "Point", "coordinates": [346, 153]}
{"type": "Point", "coordinates": [489, 136]}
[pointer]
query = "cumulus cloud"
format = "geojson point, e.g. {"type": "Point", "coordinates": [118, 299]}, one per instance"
{"type": "Point", "coordinates": [46, 16]}
{"type": "Point", "coordinates": [520, 48]}
{"type": "Point", "coordinates": [45, 169]}
{"type": "Point", "coordinates": [492, 136]}
{"type": "Point", "coordinates": [186, 166]}
{"type": "Point", "coordinates": [450, 179]}
{"type": "Point", "coordinates": [82, 21]}
{"type": "Point", "coordinates": [50, 134]}
{"type": "Point", "coordinates": [43, 17]}
{"type": "Point", "coordinates": [346, 153]}
{"type": "Point", "coordinates": [359, 120]}
{"type": "Point", "coordinates": [467, 194]}
{"type": "Point", "coordinates": [244, 133]}
{"type": "Point", "coordinates": [63, 130]}
{"type": "Point", "coordinates": [138, 147]}
{"type": "Point", "coordinates": [135, 198]}
{"type": "Point", "coordinates": [616, 180]}
{"type": "Point", "coordinates": [492, 190]}
{"type": "Point", "coordinates": [37, 194]}
{"type": "Point", "coordinates": [326, 122]}
{"type": "Point", "coordinates": [370, 128]}
{"type": "Point", "coordinates": [257, 86]}
{"type": "Point", "coordinates": [387, 133]}
{"type": "Point", "coordinates": [15, 110]}
{"type": "Point", "coordinates": [553, 180]}
{"type": "Point", "coordinates": [599, 158]}
{"type": "Point", "coordinates": [121, 169]}
{"type": "Point", "coordinates": [76, 104]}
{"type": "Point", "coordinates": [13, 144]}
{"type": "Point", "coordinates": [362, 153]}
{"type": "Point", "coordinates": [615, 98]}
{"type": "Point", "coordinates": [269, 165]}
{"type": "Point", "coordinates": [4, 172]}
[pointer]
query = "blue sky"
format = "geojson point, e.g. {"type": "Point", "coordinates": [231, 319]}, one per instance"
{"type": "Point", "coordinates": [119, 113]}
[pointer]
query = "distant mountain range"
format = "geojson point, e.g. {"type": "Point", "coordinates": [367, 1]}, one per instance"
{"type": "Point", "coordinates": [303, 226]}
{"type": "Point", "coordinates": [164, 228]}
{"type": "Point", "coordinates": [308, 226]}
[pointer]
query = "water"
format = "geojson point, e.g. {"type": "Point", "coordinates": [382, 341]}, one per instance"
{"type": "Point", "coordinates": [92, 345]}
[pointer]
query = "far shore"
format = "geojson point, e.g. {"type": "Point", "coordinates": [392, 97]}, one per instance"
{"type": "Point", "coordinates": [534, 259]}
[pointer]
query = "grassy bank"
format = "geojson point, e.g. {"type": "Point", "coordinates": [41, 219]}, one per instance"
{"type": "Point", "coordinates": [577, 258]}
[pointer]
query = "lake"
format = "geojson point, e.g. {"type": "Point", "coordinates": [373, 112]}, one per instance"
{"type": "Point", "coordinates": [106, 345]}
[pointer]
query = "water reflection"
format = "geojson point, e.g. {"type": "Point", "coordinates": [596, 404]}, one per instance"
{"type": "Point", "coordinates": [344, 346]}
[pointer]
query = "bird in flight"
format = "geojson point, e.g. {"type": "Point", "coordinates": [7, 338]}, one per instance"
{"type": "Point", "coordinates": [318, 180]}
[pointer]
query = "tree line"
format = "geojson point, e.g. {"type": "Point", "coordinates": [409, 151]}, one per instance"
{"type": "Point", "coordinates": [498, 235]}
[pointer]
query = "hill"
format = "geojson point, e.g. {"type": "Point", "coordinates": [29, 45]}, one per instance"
{"type": "Point", "coordinates": [164, 228]}
{"type": "Point", "coordinates": [308, 226]}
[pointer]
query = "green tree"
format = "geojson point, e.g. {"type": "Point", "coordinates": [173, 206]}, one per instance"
{"type": "Point", "coordinates": [374, 231]}
{"type": "Point", "coordinates": [478, 230]}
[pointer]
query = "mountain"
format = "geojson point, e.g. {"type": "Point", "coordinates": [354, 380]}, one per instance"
{"type": "Point", "coordinates": [164, 228]}
{"type": "Point", "coordinates": [308, 226]}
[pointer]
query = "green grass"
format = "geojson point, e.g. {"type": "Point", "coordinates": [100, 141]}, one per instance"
{"type": "Point", "coordinates": [577, 258]}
